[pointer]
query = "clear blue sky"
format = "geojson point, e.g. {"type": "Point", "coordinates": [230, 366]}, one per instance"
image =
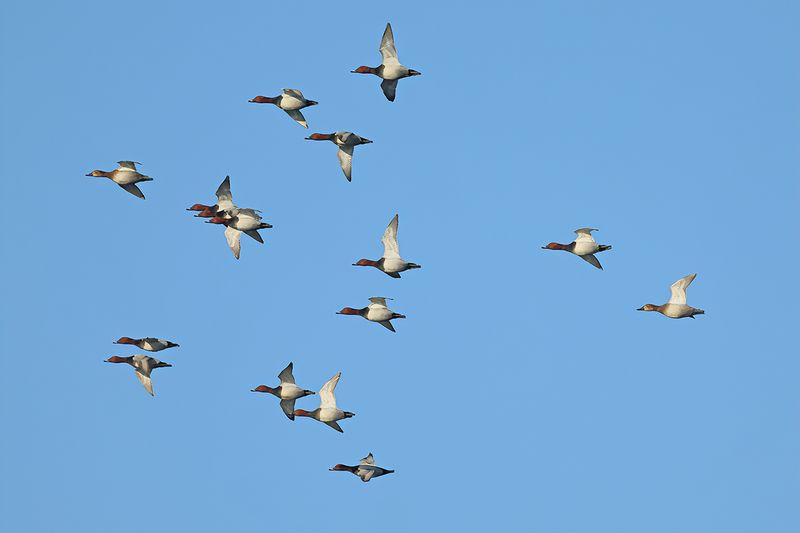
{"type": "Point", "coordinates": [523, 392]}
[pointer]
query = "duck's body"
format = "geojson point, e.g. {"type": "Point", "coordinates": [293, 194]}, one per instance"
{"type": "Point", "coordinates": [327, 412]}
{"type": "Point", "coordinates": [237, 221]}
{"type": "Point", "coordinates": [365, 469]}
{"type": "Point", "coordinates": [584, 246]}
{"type": "Point", "coordinates": [391, 263]}
{"type": "Point", "coordinates": [126, 176]}
{"type": "Point", "coordinates": [144, 365]}
{"type": "Point", "coordinates": [390, 70]}
{"type": "Point", "coordinates": [346, 141]}
{"type": "Point", "coordinates": [291, 101]}
{"type": "Point", "coordinates": [376, 311]}
{"type": "Point", "coordinates": [224, 202]}
{"type": "Point", "coordinates": [151, 344]}
{"type": "Point", "coordinates": [676, 307]}
{"type": "Point", "coordinates": [287, 391]}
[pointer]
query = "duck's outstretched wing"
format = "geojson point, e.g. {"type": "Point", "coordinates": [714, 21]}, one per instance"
{"type": "Point", "coordinates": [295, 93]}
{"type": "Point", "coordinates": [391, 249]}
{"type": "Point", "coordinates": [379, 300]}
{"type": "Point", "coordinates": [387, 49]}
{"type": "Point", "coordinates": [368, 460]}
{"type": "Point", "coordinates": [224, 196]}
{"type": "Point", "coordinates": [145, 380]}
{"type": "Point", "coordinates": [233, 236]}
{"type": "Point", "coordinates": [389, 88]}
{"type": "Point", "coordinates": [592, 260]}
{"type": "Point", "coordinates": [255, 235]}
{"type": "Point", "coordinates": [335, 426]}
{"type": "Point", "coordinates": [388, 325]}
{"type": "Point", "coordinates": [326, 395]}
{"type": "Point", "coordinates": [133, 189]}
{"type": "Point", "coordinates": [128, 164]}
{"type": "Point", "coordinates": [298, 117]}
{"type": "Point", "coordinates": [286, 375]}
{"type": "Point", "coordinates": [679, 289]}
{"type": "Point", "coordinates": [288, 408]}
{"type": "Point", "coordinates": [584, 234]}
{"type": "Point", "coordinates": [345, 155]}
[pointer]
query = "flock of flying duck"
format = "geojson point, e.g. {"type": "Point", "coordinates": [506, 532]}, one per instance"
{"type": "Point", "coordinates": [239, 220]}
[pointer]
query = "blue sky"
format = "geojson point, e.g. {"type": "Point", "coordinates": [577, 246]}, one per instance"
{"type": "Point", "coordinates": [523, 392]}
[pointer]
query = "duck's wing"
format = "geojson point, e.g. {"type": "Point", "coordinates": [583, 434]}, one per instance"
{"type": "Point", "coordinates": [288, 408]}
{"type": "Point", "coordinates": [286, 374]}
{"type": "Point", "coordinates": [390, 247]}
{"type": "Point", "coordinates": [368, 460]}
{"type": "Point", "coordinates": [233, 237]}
{"type": "Point", "coordinates": [298, 117]}
{"type": "Point", "coordinates": [128, 164]}
{"type": "Point", "coordinates": [679, 289]}
{"type": "Point", "coordinates": [584, 234]}
{"type": "Point", "coordinates": [224, 196]}
{"type": "Point", "coordinates": [592, 260]}
{"type": "Point", "coordinates": [388, 325]}
{"type": "Point", "coordinates": [335, 426]}
{"type": "Point", "coordinates": [133, 189]}
{"type": "Point", "coordinates": [389, 89]}
{"type": "Point", "coordinates": [345, 154]}
{"type": "Point", "coordinates": [145, 380]}
{"type": "Point", "coordinates": [387, 49]}
{"type": "Point", "coordinates": [255, 235]}
{"type": "Point", "coordinates": [326, 397]}
{"type": "Point", "coordinates": [294, 93]}
{"type": "Point", "coordinates": [379, 300]}
{"type": "Point", "coordinates": [248, 212]}
{"type": "Point", "coordinates": [365, 474]}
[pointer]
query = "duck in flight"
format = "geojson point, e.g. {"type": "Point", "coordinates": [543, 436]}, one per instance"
{"type": "Point", "coordinates": [224, 201]}
{"type": "Point", "coordinates": [144, 365]}
{"type": "Point", "coordinates": [391, 263]}
{"type": "Point", "coordinates": [291, 101]}
{"type": "Point", "coordinates": [151, 344]}
{"type": "Point", "coordinates": [327, 412]}
{"type": "Point", "coordinates": [237, 221]}
{"type": "Point", "coordinates": [390, 70]}
{"type": "Point", "coordinates": [676, 306]}
{"type": "Point", "coordinates": [376, 311]}
{"type": "Point", "coordinates": [346, 141]}
{"type": "Point", "coordinates": [583, 246]}
{"type": "Point", "coordinates": [287, 391]}
{"type": "Point", "coordinates": [365, 469]}
{"type": "Point", "coordinates": [126, 176]}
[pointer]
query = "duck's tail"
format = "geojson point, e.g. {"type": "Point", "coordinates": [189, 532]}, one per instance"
{"type": "Point", "coordinates": [604, 247]}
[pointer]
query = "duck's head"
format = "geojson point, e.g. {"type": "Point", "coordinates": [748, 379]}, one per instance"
{"type": "Point", "coordinates": [363, 69]}
{"type": "Point", "coordinates": [301, 412]}
{"type": "Point", "coordinates": [320, 137]}
{"type": "Point", "coordinates": [349, 311]}
{"type": "Point", "coordinates": [342, 468]}
{"type": "Point", "coordinates": [262, 388]}
{"type": "Point", "coordinates": [125, 340]}
{"type": "Point", "coordinates": [554, 246]}
{"type": "Point", "coordinates": [648, 307]}
{"type": "Point", "coordinates": [262, 100]}
{"type": "Point", "coordinates": [199, 207]}
{"type": "Point", "coordinates": [365, 263]}
{"type": "Point", "coordinates": [97, 174]}
{"type": "Point", "coordinates": [218, 220]}
{"type": "Point", "coordinates": [116, 359]}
